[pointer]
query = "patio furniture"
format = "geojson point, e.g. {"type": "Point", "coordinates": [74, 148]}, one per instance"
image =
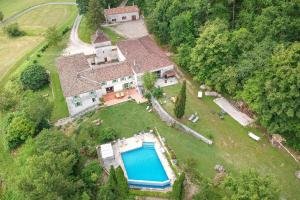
{"type": "Point", "coordinates": [122, 94]}
{"type": "Point", "coordinates": [196, 119]}
{"type": "Point", "coordinates": [253, 136]}
{"type": "Point", "coordinates": [191, 117]}
{"type": "Point", "coordinates": [118, 95]}
{"type": "Point", "coordinates": [173, 99]}
{"type": "Point", "coordinates": [200, 94]}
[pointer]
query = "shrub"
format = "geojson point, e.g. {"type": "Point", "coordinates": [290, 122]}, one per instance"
{"type": "Point", "coordinates": [18, 131]}
{"type": "Point", "coordinates": [34, 77]}
{"type": "Point", "coordinates": [1, 16]}
{"type": "Point", "coordinates": [13, 30]}
{"type": "Point", "coordinates": [53, 36]}
{"type": "Point", "coordinates": [178, 187]}
{"type": "Point", "coordinates": [157, 92]}
{"type": "Point", "coordinates": [147, 95]}
{"type": "Point", "coordinates": [43, 49]}
{"type": "Point", "coordinates": [8, 100]}
{"type": "Point", "coordinates": [107, 135]}
{"type": "Point", "coordinates": [66, 29]}
{"type": "Point", "coordinates": [91, 175]}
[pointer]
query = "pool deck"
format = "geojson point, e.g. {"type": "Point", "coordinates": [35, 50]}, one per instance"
{"type": "Point", "coordinates": [123, 145]}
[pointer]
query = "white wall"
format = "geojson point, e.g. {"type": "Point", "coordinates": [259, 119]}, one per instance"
{"type": "Point", "coordinates": [118, 86]}
{"type": "Point", "coordinates": [121, 57]}
{"type": "Point", "coordinates": [109, 52]}
{"type": "Point", "coordinates": [102, 44]}
{"type": "Point", "coordinates": [118, 17]}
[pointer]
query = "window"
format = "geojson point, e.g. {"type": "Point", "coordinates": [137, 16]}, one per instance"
{"type": "Point", "coordinates": [129, 77]}
{"type": "Point", "coordinates": [114, 49]}
{"type": "Point", "coordinates": [123, 79]}
{"type": "Point", "coordinates": [103, 83]}
{"type": "Point", "coordinates": [124, 17]}
{"type": "Point", "coordinates": [114, 20]}
{"type": "Point", "coordinates": [114, 81]}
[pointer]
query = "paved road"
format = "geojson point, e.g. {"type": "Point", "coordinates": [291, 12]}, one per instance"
{"type": "Point", "coordinates": [75, 45]}
{"type": "Point", "coordinates": [27, 10]}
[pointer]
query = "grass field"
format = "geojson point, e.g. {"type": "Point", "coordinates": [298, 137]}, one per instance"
{"type": "Point", "coordinates": [85, 32]}
{"type": "Point", "coordinates": [232, 146]}
{"type": "Point", "coordinates": [13, 50]}
{"type": "Point", "coordinates": [11, 7]}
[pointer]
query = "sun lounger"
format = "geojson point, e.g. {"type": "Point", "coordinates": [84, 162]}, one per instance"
{"type": "Point", "coordinates": [196, 119]}
{"type": "Point", "coordinates": [191, 117]}
{"type": "Point", "coordinates": [253, 136]}
{"type": "Point", "coordinates": [148, 107]}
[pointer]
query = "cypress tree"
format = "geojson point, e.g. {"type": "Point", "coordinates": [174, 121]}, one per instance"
{"type": "Point", "coordinates": [179, 108]}
{"type": "Point", "coordinates": [112, 180]}
{"type": "Point", "coordinates": [122, 183]}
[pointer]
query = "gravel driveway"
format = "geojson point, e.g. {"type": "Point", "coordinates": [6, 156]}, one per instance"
{"type": "Point", "coordinates": [131, 29]}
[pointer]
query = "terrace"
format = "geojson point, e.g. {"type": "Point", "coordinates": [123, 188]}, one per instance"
{"type": "Point", "coordinates": [114, 98]}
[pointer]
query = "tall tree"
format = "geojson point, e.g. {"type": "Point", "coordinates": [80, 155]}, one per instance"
{"type": "Point", "coordinates": [179, 108]}
{"type": "Point", "coordinates": [149, 80]}
{"type": "Point", "coordinates": [94, 14]}
{"type": "Point", "coordinates": [82, 6]}
{"type": "Point", "coordinates": [182, 30]}
{"type": "Point", "coordinates": [122, 184]}
{"type": "Point", "coordinates": [53, 36]}
{"type": "Point", "coordinates": [49, 176]}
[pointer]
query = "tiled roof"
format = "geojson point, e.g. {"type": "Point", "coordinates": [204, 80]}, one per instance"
{"type": "Point", "coordinates": [99, 37]}
{"type": "Point", "coordinates": [121, 10]}
{"type": "Point", "coordinates": [107, 72]}
{"type": "Point", "coordinates": [77, 77]}
{"type": "Point", "coordinates": [143, 54]}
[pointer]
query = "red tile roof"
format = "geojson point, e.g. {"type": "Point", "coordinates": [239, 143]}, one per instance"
{"type": "Point", "coordinates": [77, 77]}
{"type": "Point", "coordinates": [143, 54]}
{"type": "Point", "coordinates": [121, 10]}
{"type": "Point", "coordinates": [99, 37]}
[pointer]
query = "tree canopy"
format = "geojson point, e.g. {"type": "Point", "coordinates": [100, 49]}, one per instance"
{"type": "Point", "coordinates": [34, 77]}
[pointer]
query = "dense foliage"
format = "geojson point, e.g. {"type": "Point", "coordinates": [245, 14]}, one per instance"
{"type": "Point", "coordinates": [31, 116]}
{"type": "Point", "coordinates": [53, 36]}
{"type": "Point", "coordinates": [94, 14]}
{"type": "Point", "coordinates": [179, 108]}
{"type": "Point", "coordinates": [84, 4]}
{"type": "Point", "coordinates": [34, 77]}
{"type": "Point", "coordinates": [178, 187]}
{"type": "Point", "coordinates": [250, 185]}
{"type": "Point", "coordinates": [246, 49]}
{"type": "Point", "coordinates": [149, 80]}
{"type": "Point", "coordinates": [13, 30]}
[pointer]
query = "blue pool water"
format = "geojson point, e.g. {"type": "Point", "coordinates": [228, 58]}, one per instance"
{"type": "Point", "coordinates": [143, 164]}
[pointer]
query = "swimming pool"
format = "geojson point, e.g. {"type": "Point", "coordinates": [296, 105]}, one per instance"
{"type": "Point", "coordinates": [144, 168]}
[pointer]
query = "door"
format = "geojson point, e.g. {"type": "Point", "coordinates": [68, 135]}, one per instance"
{"type": "Point", "coordinates": [109, 89]}
{"type": "Point", "coordinates": [133, 17]}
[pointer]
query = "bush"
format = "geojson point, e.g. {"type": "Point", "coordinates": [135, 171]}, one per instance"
{"type": "Point", "coordinates": [53, 36]}
{"type": "Point", "coordinates": [157, 92]}
{"type": "Point", "coordinates": [147, 96]}
{"type": "Point", "coordinates": [34, 77]}
{"type": "Point", "coordinates": [91, 175]}
{"type": "Point", "coordinates": [107, 135]}
{"type": "Point", "coordinates": [43, 49]}
{"type": "Point", "coordinates": [8, 100]}
{"type": "Point", "coordinates": [66, 29]}
{"type": "Point", "coordinates": [18, 131]}
{"type": "Point", "coordinates": [13, 30]}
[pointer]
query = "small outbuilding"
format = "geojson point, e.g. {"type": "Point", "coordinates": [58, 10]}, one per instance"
{"type": "Point", "coordinates": [107, 152]}
{"type": "Point", "coordinates": [122, 14]}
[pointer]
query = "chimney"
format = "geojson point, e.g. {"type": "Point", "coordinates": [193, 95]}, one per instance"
{"type": "Point", "coordinates": [108, 6]}
{"type": "Point", "coordinates": [134, 62]}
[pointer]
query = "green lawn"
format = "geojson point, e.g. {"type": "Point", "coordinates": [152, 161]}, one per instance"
{"type": "Point", "coordinates": [232, 147]}
{"type": "Point", "coordinates": [85, 32]}
{"type": "Point", "coordinates": [14, 51]}
{"type": "Point", "coordinates": [11, 7]}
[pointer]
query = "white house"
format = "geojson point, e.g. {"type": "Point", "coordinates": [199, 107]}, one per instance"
{"type": "Point", "coordinates": [121, 14]}
{"type": "Point", "coordinates": [84, 79]}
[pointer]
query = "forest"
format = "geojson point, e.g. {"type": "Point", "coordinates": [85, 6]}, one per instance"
{"type": "Point", "coordinates": [246, 50]}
